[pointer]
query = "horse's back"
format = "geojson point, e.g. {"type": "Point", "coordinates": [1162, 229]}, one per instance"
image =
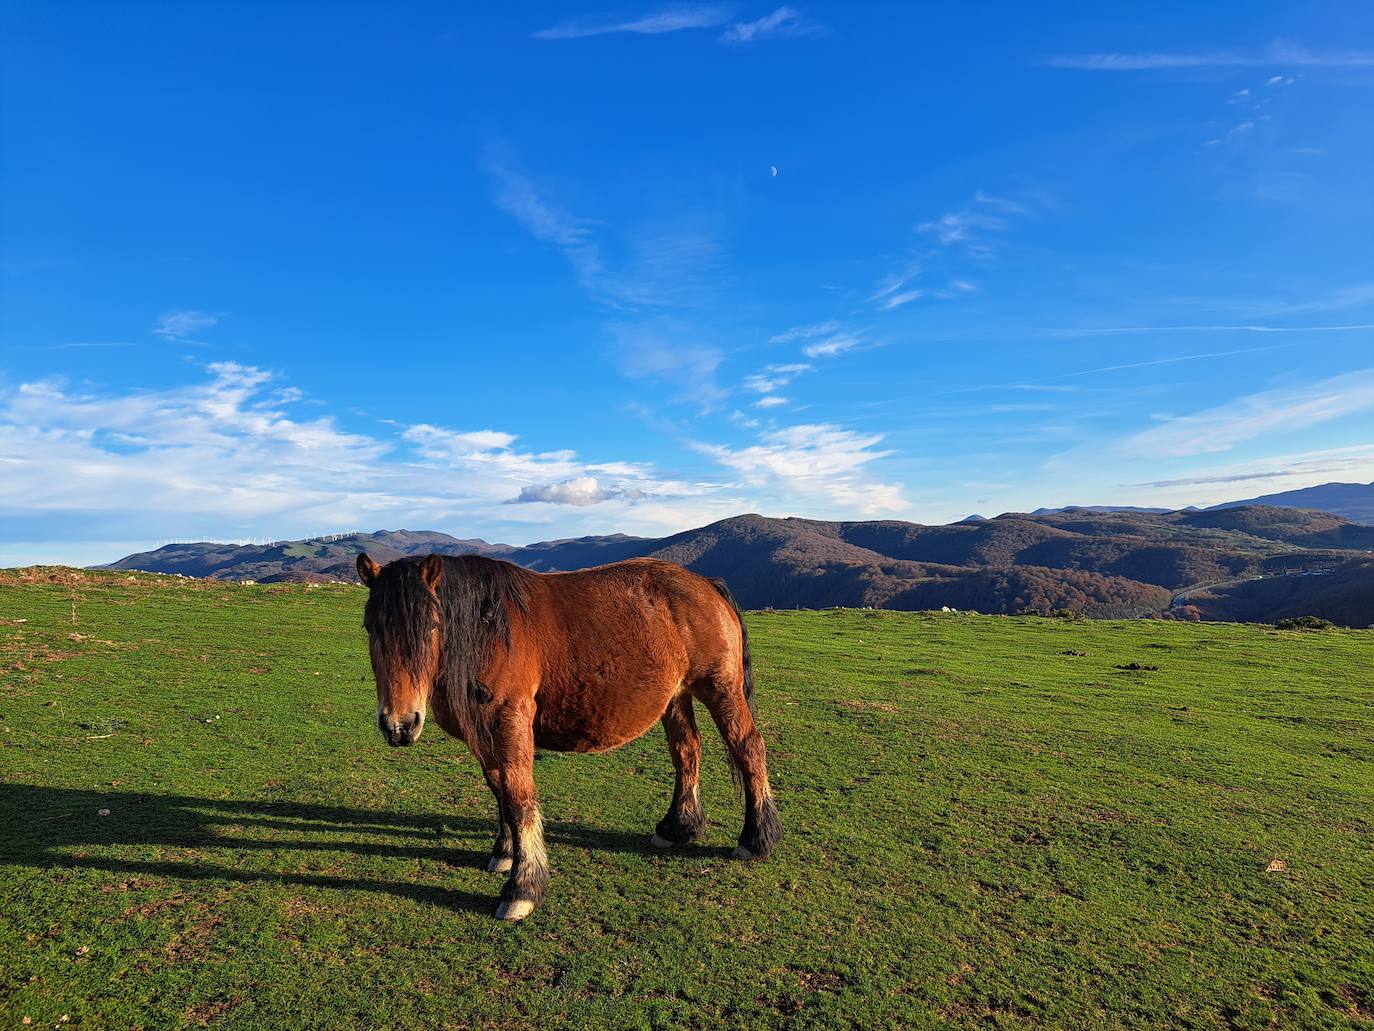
{"type": "Point", "coordinates": [619, 642]}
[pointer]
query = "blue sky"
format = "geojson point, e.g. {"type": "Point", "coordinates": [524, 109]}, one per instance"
{"type": "Point", "coordinates": [539, 271]}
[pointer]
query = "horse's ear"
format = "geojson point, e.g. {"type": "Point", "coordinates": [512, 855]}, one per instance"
{"type": "Point", "coordinates": [432, 571]}
{"type": "Point", "coordinates": [367, 569]}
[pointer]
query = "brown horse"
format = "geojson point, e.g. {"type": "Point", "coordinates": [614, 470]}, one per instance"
{"type": "Point", "coordinates": [510, 660]}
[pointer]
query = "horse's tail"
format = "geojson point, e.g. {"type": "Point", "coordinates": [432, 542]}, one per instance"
{"type": "Point", "coordinates": [723, 589]}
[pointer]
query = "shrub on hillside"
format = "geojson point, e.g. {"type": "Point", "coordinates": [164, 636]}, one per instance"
{"type": "Point", "coordinates": [1304, 623]}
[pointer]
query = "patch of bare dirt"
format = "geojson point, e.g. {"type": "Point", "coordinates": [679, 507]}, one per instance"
{"type": "Point", "coordinates": [207, 1012]}
{"type": "Point", "coordinates": [194, 942]}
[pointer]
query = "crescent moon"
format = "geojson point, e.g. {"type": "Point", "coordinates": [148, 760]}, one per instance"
{"type": "Point", "coordinates": [773, 169]}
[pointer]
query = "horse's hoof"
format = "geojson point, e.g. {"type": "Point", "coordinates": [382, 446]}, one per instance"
{"type": "Point", "coordinates": [517, 909]}
{"type": "Point", "coordinates": [658, 841]}
{"type": "Point", "coordinates": [741, 852]}
{"type": "Point", "coordinates": [500, 864]}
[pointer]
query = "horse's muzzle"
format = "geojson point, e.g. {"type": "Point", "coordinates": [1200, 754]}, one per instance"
{"type": "Point", "coordinates": [403, 731]}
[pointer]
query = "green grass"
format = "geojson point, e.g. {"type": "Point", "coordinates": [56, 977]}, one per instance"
{"type": "Point", "coordinates": [988, 823]}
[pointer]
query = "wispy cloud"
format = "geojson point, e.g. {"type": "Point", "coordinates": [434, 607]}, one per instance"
{"type": "Point", "coordinates": [667, 268]}
{"type": "Point", "coordinates": [1167, 361]}
{"type": "Point", "coordinates": [1266, 414]}
{"type": "Point", "coordinates": [1243, 129]}
{"type": "Point", "coordinates": [672, 19]}
{"type": "Point", "coordinates": [976, 226]}
{"type": "Point", "coordinates": [772, 378]}
{"type": "Point", "coordinates": [808, 332]}
{"type": "Point", "coordinates": [816, 462]}
{"type": "Point", "coordinates": [517, 196]}
{"type": "Point", "coordinates": [672, 353]}
{"type": "Point", "coordinates": [1278, 54]}
{"type": "Point", "coordinates": [1253, 328]}
{"type": "Point", "coordinates": [829, 347]}
{"type": "Point", "coordinates": [784, 23]}
{"type": "Point", "coordinates": [895, 290]}
{"type": "Point", "coordinates": [822, 339]}
{"type": "Point", "coordinates": [181, 325]}
{"type": "Point", "coordinates": [1357, 462]}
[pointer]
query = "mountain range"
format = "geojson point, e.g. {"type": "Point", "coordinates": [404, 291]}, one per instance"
{"type": "Point", "coordinates": [1249, 562]}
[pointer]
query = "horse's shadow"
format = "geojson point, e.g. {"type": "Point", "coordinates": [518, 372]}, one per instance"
{"type": "Point", "coordinates": [55, 828]}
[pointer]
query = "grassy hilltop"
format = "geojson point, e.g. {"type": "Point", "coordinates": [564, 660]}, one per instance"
{"type": "Point", "coordinates": [1007, 821]}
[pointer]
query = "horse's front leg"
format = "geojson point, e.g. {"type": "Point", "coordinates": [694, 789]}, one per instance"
{"type": "Point", "coordinates": [503, 848]}
{"type": "Point", "coordinates": [529, 875]}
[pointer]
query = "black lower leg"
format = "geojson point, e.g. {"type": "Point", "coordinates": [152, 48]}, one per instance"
{"type": "Point", "coordinates": [762, 827]}
{"type": "Point", "coordinates": [685, 822]}
{"type": "Point", "coordinates": [503, 848]}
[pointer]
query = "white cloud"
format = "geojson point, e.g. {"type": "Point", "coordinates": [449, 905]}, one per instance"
{"type": "Point", "coordinates": [579, 490]}
{"type": "Point", "coordinates": [774, 377]}
{"type": "Point", "coordinates": [770, 401]}
{"type": "Point", "coordinates": [831, 346]}
{"type": "Point", "coordinates": [892, 292]}
{"type": "Point", "coordinates": [819, 465]}
{"type": "Point", "coordinates": [906, 297]}
{"type": "Point", "coordinates": [226, 453]}
{"type": "Point", "coordinates": [1279, 53]}
{"type": "Point", "coordinates": [785, 22]}
{"type": "Point", "coordinates": [179, 325]}
{"type": "Point", "coordinates": [673, 19]}
{"type": "Point", "coordinates": [1266, 414]}
{"type": "Point", "coordinates": [975, 227]}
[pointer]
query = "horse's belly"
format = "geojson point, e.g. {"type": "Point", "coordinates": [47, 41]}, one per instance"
{"type": "Point", "coordinates": [584, 718]}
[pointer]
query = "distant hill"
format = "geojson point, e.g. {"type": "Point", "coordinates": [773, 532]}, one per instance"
{"type": "Point", "coordinates": [1354, 501]}
{"type": "Point", "coordinates": [1103, 563]}
{"type": "Point", "coordinates": [1101, 508]}
{"type": "Point", "coordinates": [329, 558]}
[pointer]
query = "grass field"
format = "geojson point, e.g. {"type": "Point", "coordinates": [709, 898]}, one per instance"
{"type": "Point", "coordinates": [989, 821]}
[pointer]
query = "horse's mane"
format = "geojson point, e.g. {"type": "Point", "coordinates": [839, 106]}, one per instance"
{"type": "Point", "coordinates": [475, 594]}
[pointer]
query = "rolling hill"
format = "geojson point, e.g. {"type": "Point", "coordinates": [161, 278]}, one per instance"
{"type": "Point", "coordinates": [1354, 501]}
{"type": "Point", "coordinates": [1102, 563]}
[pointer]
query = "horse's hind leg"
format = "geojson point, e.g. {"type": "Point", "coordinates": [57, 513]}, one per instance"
{"type": "Point", "coordinates": [685, 821]}
{"type": "Point", "coordinates": [762, 828]}
{"type": "Point", "coordinates": [503, 849]}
